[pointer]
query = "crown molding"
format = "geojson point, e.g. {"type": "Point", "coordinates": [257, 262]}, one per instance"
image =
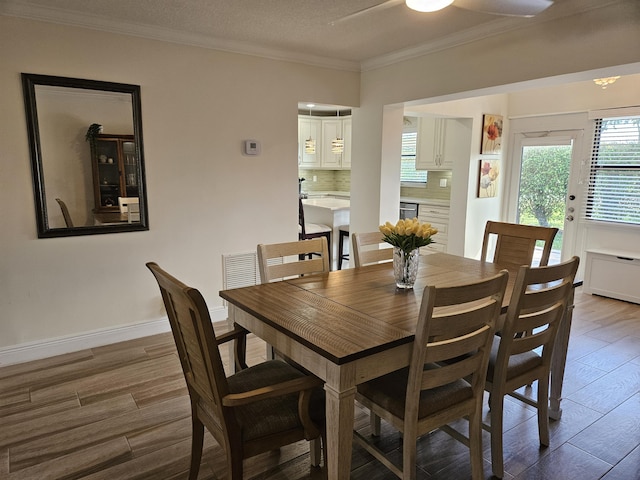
{"type": "Point", "coordinates": [94, 22]}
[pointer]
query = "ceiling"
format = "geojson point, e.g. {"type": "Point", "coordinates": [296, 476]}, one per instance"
{"type": "Point", "coordinates": [298, 30]}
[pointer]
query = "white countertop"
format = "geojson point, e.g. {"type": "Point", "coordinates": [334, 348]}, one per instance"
{"type": "Point", "coordinates": [329, 203]}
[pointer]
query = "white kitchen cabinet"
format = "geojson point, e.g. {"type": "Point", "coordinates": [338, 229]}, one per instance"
{"type": "Point", "coordinates": [438, 217]}
{"type": "Point", "coordinates": [440, 142]}
{"type": "Point", "coordinates": [309, 128]}
{"type": "Point", "coordinates": [331, 130]}
{"type": "Point", "coordinates": [323, 131]}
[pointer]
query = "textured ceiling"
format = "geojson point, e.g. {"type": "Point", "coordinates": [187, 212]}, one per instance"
{"type": "Point", "coordinates": [301, 30]}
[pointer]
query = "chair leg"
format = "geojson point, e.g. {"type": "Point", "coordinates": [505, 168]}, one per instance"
{"type": "Point", "coordinates": [475, 444]}
{"type": "Point", "coordinates": [497, 462]}
{"type": "Point", "coordinates": [543, 410]}
{"type": "Point", "coordinates": [315, 451]}
{"type": "Point", "coordinates": [197, 439]}
{"type": "Point", "coordinates": [374, 422]}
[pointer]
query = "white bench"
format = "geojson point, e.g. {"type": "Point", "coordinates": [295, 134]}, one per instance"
{"type": "Point", "coordinates": [613, 273]}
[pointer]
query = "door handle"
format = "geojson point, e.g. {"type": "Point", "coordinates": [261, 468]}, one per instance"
{"type": "Point", "coordinates": [569, 218]}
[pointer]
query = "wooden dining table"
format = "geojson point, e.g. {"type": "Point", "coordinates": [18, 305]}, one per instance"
{"type": "Point", "coordinates": [350, 326]}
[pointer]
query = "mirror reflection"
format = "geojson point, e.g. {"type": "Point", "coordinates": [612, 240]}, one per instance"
{"type": "Point", "coordinates": [86, 149]}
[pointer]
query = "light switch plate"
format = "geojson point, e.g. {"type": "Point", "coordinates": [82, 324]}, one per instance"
{"type": "Point", "coordinates": [443, 182]}
{"type": "Point", "coordinates": [251, 147]}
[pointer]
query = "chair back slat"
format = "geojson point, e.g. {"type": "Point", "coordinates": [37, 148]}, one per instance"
{"type": "Point", "coordinates": [515, 244]}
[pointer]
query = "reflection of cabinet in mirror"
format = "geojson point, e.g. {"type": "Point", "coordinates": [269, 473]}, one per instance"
{"type": "Point", "coordinates": [115, 170]}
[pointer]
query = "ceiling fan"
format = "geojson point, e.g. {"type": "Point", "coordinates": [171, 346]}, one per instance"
{"type": "Point", "coordinates": [514, 8]}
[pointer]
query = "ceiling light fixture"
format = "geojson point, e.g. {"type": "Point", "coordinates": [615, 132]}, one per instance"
{"type": "Point", "coordinates": [428, 5]}
{"type": "Point", "coordinates": [310, 143]}
{"type": "Point", "coordinates": [337, 144]}
{"type": "Point", "coordinates": [605, 82]}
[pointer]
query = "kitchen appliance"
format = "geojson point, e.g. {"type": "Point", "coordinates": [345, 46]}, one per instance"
{"type": "Point", "coordinates": [408, 210]}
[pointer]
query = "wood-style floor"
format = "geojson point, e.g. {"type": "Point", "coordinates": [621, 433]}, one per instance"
{"type": "Point", "coordinates": [122, 412]}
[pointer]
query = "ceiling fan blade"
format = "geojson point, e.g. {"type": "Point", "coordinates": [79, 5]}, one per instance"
{"type": "Point", "coordinates": [379, 6]}
{"type": "Point", "coordinates": [515, 8]}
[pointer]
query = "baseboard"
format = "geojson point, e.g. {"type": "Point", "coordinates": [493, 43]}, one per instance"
{"type": "Point", "coordinates": [27, 352]}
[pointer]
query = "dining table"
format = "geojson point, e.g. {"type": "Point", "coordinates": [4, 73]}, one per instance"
{"type": "Point", "coordinates": [350, 326]}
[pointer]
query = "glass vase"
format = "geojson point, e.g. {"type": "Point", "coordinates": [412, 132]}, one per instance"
{"type": "Point", "coordinates": [405, 267]}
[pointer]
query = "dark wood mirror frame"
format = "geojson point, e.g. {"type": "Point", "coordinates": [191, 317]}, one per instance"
{"type": "Point", "coordinates": [29, 84]}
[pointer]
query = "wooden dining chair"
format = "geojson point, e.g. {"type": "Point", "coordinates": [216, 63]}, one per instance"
{"type": "Point", "coordinates": [538, 303]}
{"type": "Point", "coordinates": [65, 213]}
{"type": "Point", "coordinates": [366, 249]}
{"type": "Point", "coordinates": [255, 410]}
{"type": "Point", "coordinates": [445, 379]}
{"type": "Point", "coordinates": [515, 243]}
{"type": "Point", "coordinates": [291, 259]}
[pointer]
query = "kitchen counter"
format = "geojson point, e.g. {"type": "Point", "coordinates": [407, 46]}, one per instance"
{"type": "Point", "coordinates": [329, 203]}
{"type": "Point", "coordinates": [333, 212]}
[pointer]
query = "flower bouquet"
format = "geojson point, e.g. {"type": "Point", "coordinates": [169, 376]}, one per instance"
{"type": "Point", "coordinates": [407, 236]}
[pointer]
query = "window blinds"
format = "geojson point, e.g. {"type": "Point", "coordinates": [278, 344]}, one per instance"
{"type": "Point", "coordinates": [613, 193]}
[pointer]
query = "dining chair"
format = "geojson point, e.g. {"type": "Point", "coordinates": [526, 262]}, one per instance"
{"type": "Point", "coordinates": [343, 234]}
{"type": "Point", "coordinates": [538, 302]}
{"type": "Point", "coordinates": [290, 259]}
{"type": "Point", "coordinates": [65, 213]}
{"type": "Point", "coordinates": [309, 231]}
{"type": "Point", "coordinates": [445, 378]}
{"type": "Point", "coordinates": [366, 249]}
{"type": "Point", "coordinates": [125, 202]}
{"type": "Point", "coordinates": [515, 243]}
{"type": "Point", "coordinates": [255, 410]}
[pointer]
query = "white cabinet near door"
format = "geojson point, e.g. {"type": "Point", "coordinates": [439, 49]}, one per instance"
{"type": "Point", "coordinates": [346, 132]}
{"type": "Point", "coordinates": [438, 217]}
{"type": "Point", "coordinates": [440, 142]}
{"type": "Point", "coordinates": [309, 142]}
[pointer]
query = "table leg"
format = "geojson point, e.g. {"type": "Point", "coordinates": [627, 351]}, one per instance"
{"type": "Point", "coordinates": [340, 416]}
{"type": "Point", "coordinates": [559, 359]}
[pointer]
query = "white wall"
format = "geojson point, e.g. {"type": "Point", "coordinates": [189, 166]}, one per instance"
{"type": "Point", "coordinates": [205, 198]}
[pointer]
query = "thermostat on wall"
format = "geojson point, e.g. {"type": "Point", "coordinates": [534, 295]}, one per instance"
{"type": "Point", "coordinates": [251, 147]}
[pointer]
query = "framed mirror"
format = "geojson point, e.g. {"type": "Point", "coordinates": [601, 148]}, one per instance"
{"type": "Point", "coordinates": [87, 160]}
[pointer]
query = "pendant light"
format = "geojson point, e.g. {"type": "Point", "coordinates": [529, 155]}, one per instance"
{"type": "Point", "coordinates": [337, 144]}
{"type": "Point", "coordinates": [310, 143]}
{"type": "Point", "coordinates": [428, 5]}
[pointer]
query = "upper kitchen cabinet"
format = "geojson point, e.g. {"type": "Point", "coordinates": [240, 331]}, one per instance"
{"type": "Point", "coordinates": [440, 142]}
{"type": "Point", "coordinates": [309, 142]}
{"type": "Point", "coordinates": [324, 142]}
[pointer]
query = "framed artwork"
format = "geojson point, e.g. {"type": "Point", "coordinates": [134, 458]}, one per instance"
{"type": "Point", "coordinates": [488, 178]}
{"type": "Point", "coordinates": [491, 134]}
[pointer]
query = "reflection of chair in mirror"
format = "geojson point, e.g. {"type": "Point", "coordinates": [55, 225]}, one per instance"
{"type": "Point", "coordinates": [256, 410]}
{"type": "Point", "coordinates": [133, 212]}
{"type": "Point", "coordinates": [124, 202]}
{"type": "Point", "coordinates": [65, 213]}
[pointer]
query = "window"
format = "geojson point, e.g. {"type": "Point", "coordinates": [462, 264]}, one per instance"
{"type": "Point", "coordinates": [614, 182]}
{"type": "Point", "coordinates": [409, 176]}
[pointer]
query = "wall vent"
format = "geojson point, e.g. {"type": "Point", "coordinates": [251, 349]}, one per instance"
{"type": "Point", "coordinates": [240, 270]}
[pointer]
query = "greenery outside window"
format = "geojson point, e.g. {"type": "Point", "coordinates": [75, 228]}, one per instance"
{"type": "Point", "coordinates": [614, 182]}
{"type": "Point", "coordinates": [409, 176]}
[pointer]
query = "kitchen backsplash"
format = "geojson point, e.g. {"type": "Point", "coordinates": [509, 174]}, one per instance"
{"type": "Point", "coordinates": [433, 190]}
{"type": "Point", "coordinates": [326, 180]}
{"type": "Point", "coordinates": [340, 181]}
